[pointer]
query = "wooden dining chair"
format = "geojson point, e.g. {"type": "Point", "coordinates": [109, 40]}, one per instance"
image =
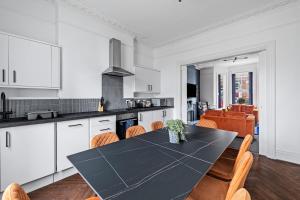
{"type": "Point", "coordinates": [104, 139]}
{"type": "Point", "coordinates": [14, 192]}
{"type": "Point", "coordinates": [157, 125]}
{"type": "Point", "coordinates": [225, 168]}
{"type": "Point", "coordinates": [134, 131]}
{"type": "Point", "coordinates": [241, 194]}
{"type": "Point", "coordinates": [207, 123]}
{"type": "Point", "coordinates": [210, 188]}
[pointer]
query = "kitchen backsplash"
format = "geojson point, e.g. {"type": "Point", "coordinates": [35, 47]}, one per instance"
{"type": "Point", "coordinates": [64, 106]}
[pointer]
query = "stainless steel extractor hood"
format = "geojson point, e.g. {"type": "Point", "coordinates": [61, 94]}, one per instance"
{"type": "Point", "coordinates": [115, 68]}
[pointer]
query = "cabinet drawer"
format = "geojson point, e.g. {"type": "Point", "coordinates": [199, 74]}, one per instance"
{"type": "Point", "coordinates": [99, 121]}
{"type": "Point", "coordinates": [72, 137]}
{"type": "Point", "coordinates": [102, 129]}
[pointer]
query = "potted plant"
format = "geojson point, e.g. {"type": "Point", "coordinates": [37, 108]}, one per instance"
{"type": "Point", "coordinates": [176, 128]}
{"type": "Point", "coordinates": [241, 101]}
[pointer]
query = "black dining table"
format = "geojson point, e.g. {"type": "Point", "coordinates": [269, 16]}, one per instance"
{"type": "Point", "coordinates": [148, 166]}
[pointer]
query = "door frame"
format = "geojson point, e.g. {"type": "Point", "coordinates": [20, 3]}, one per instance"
{"type": "Point", "coordinates": [266, 72]}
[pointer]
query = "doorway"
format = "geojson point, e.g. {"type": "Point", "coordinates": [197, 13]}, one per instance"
{"type": "Point", "coordinates": [265, 91]}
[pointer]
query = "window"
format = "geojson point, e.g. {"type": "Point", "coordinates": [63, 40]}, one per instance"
{"type": "Point", "coordinates": [242, 88]}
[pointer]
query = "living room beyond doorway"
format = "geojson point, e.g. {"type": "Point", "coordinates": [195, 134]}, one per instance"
{"type": "Point", "coordinates": [226, 92]}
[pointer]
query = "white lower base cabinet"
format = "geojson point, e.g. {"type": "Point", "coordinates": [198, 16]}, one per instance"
{"type": "Point", "coordinates": [145, 120]}
{"type": "Point", "coordinates": [27, 153]}
{"type": "Point", "coordinates": [72, 137]}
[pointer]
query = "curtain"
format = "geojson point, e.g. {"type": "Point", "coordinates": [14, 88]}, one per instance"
{"type": "Point", "coordinates": [250, 88]}
{"type": "Point", "coordinates": [233, 89]}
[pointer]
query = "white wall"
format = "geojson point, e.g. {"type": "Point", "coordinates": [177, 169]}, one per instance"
{"type": "Point", "coordinates": [84, 41]}
{"type": "Point", "coordinates": [280, 25]}
{"type": "Point", "coordinates": [207, 85]}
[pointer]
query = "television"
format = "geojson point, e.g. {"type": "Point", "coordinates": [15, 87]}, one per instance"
{"type": "Point", "coordinates": [191, 90]}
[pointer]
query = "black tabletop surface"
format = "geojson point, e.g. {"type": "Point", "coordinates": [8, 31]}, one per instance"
{"type": "Point", "coordinates": [149, 166]}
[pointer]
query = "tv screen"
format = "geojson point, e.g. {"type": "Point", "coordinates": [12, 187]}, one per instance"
{"type": "Point", "coordinates": [191, 90]}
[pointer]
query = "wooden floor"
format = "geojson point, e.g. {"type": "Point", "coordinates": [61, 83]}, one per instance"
{"type": "Point", "coordinates": [268, 180]}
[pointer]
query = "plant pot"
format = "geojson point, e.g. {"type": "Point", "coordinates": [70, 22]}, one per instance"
{"type": "Point", "coordinates": [173, 137]}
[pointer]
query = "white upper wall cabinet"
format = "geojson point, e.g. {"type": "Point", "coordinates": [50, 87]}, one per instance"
{"type": "Point", "coordinates": [147, 80]}
{"type": "Point", "coordinates": [29, 63]}
{"type": "Point", "coordinates": [26, 63]}
{"type": "Point", "coordinates": [4, 59]}
{"type": "Point", "coordinates": [56, 67]}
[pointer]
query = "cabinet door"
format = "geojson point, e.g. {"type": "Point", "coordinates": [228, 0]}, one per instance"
{"type": "Point", "coordinates": [169, 114]}
{"type": "Point", "coordinates": [55, 67]}
{"type": "Point", "coordinates": [27, 153]}
{"type": "Point", "coordinates": [4, 59]}
{"type": "Point", "coordinates": [142, 80]}
{"type": "Point", "coordinates": [72, 137]}
{"type": "Point", "coordinates": [158, 115]}
{"type": "Point", "coordinates": [154, 81]}
{"type": "Point", "coordinates": [29, 63]}
{"type": "Point", "coordinates": [145, 120]}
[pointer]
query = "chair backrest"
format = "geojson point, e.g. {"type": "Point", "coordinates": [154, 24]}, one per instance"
{"type": "Point", "coordinates": [103, 139]}
{"type": "Point", "coordinates": [235, 107]}
{"type": "Point", "coordinates": [157, 125]}
{"type": "Point", "coordinates": [245, 146]}
{"type": "Point", "coordinates": [134, 131]}
{"type": "Point", "coordinates": [14, 192]}
{"type": "Point", "coordinates": [241, 194]}
{"type": "Point", "coordinates": [247, 109]}
{"type": "Point", "coordinates": [207, 123]}
{"type": "Point", "coordinates": [240, 174]}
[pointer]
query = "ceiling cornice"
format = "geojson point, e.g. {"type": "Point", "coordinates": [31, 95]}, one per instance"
{"type": "Point", "coordinates": [77, 4]}
{"type": "Point", "coordinates": [230, 21]}
{"type": "Point", "coordinates": [108, 21]}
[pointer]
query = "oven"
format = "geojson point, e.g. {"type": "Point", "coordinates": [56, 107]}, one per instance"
{"type": "Point", "coordinates": [124, 121]}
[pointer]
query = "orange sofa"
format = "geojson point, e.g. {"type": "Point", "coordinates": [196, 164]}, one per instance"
{"type": "Point", "coordinates": [232, 121]}
{"type": "Point", "coordinates": [248, 109]}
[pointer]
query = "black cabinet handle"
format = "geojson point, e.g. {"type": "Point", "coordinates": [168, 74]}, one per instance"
{"type": "Point", "coordinates": [105, 129]}
{"type": "Point", "coordinates": [7, 142]}
{"type": "Point", "coordinates": [3, 75]}
{"type": "Point", "coordinates": [74, 125]}
{"type": "Point", "coordinates": [141, 117]}
{"type": "Point", "coordinates": [14, 76]}
{"type": "Point", "coordinates": [105, 120]}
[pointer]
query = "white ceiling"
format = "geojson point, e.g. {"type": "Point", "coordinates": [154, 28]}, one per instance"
{"type": "Point", "coordinates": [157, 22]}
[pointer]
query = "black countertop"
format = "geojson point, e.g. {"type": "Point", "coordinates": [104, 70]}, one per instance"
{"type": "Point", "coordinates": [149, 166]}
{"type": "Point", "coordinates": [73, 116]}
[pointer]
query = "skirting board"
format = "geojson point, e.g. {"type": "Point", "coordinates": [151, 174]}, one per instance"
{"type": "Point", "coordinates": [288, 156]}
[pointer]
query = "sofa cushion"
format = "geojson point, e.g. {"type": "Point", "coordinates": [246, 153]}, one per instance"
{"type": "Point", "coordinates": [235, 114]}
{"type": "Point", "coordinates": [214, 113]}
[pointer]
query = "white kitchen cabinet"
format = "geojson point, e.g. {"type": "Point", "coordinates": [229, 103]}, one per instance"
{"type": "Point", "coordinates": [147, 80]}
{"type": "Point", "coordinates": [27, 153]}
{"type": "Point", "coordinates": [101, 125]}
{"type": "Point", "coordinates": [169, 114]}
{"type": "Point", "coordinates": [29, 63]}
{"type": "Point", "coordinates": [158, 115]}
{"type": "Point", "coordinates": [4, 59]}
{"type": "Point", "coordinates": [145, 119]}
{"type": "Point", "coordinates": [72, 137]}
{"type": "Point", "coordinates": [55, 67]}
